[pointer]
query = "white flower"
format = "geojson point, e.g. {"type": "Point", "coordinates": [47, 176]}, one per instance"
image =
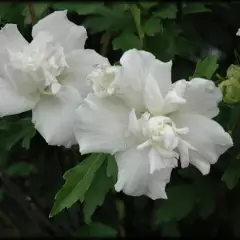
{"type": "Point", "coordinates": [149, 123]}
{"type": "Point", "coordinates": [238, 32]}
{"type": "Point", "coordinates": [47, 76]}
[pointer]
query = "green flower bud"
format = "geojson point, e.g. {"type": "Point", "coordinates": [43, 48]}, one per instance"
{"type": "Point", "coordinates": [231, 86]}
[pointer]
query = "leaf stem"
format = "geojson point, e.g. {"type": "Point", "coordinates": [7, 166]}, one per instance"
{"type": "Point", "coordinates": [31, 13]}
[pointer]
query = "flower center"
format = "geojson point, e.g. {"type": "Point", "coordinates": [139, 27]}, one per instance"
{"type": "Point", "coordinates": [46, 60]}
{"type": "Point", "coordinates": [103, 80]}
{"type": "Point", "coordinates": [160, 132]}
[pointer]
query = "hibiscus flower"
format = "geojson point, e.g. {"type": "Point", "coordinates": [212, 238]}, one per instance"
{"type": "Point", "coordinates": [47, 76]}
{"type": "Point", "coordinates": [150, 123]}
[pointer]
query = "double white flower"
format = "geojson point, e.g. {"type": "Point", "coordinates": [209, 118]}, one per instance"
{"type": "Point", "coordinates": [47, 76]}
{"type": "Point", "coordinates": [149, 123]}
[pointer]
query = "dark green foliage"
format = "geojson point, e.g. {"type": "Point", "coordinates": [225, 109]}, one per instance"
{"type": "Point", "coordinates": [86, 204]}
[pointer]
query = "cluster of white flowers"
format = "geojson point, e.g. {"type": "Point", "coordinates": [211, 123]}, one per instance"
{"type": "Point", "coordinates": [133, 111]}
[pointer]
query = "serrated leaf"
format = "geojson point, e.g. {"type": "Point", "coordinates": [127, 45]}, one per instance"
{"type": "Point", "coordinates": [112, 168]}
{"type": "Point", "coordinates": [195, 8]}
{"type": "Point", "coordinates": [95, 195]}
{"type": "Point", "coordinates": [166, 11]}
{"type": "Point", "coordinates": [80, 8]}
{"type": "Point", "coordinates": [231, 175]}
{"type": "Point", "coordinates": [178, 205]}
{"type": "Point", "coordinates": [96, 230]}
{"type": "Point", "coordinates": [206, 67]}
{"type": "Point", "coordinates": [126, 41]}
{"type": "Point", "coordinates": [110, 19]}
{"type": "Point", "coordinates": [152, 26]}
{"type": "Point", "coordinates": [20, 169]}
{"type": "Point", "coordinates": [78, 181]}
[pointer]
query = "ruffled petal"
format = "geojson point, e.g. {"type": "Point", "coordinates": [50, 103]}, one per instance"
{"type": "Point", "coordinates": [102, 125]}
{"type": "Point", "coordinates": [202, 97]}
{"type": "Point", "coordinates": [11, 102]}
{"type": "Point", "coordinates": [54, 117]}
{"type": "Point", "coordinates": [68, 34]}
{"type": "Point", "coordinates": [81, 63]}
{"type": "Point", "coordinates": [205, 135]}
{"type": "Point", "coordinates": [134, 176]}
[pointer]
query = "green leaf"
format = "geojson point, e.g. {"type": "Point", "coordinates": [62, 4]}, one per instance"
{"type": "Point", "coordinates": [95, 195]}
{"type": "Point", "coordinates": [20, 130]}
{"type": "Point", "coordinates": [112, 168]}
{"type": "Point", "coordinates": [110, 19]}
{"type": "Point", "coordinates": [166, 11]}
{"type": "Point", "coordinates": [178, 205]}
{"type": "Point", "coordinates": [96, 230]}
{"type": "Point", "coordinates": [78, 180]}
{"type": "Point", "coordinates": [195, 8]}
{"type": "Point", "coordinates": [231, 175]}
{"type": "Point", "coordinates": [136, 12]}
{"type": "Point", "coordinates": [80, 8]}
{"type": "Point", "coordinates": [152, 26]}
{"type": "Point", "coordinates": [206, 67]}
{"type": "Point", "coordinates": [21, 169]}
{"type": "Point", "coordinates": [126, 41]}
{"type": "Point", "coordinates": [38, 8]}
{"type": "Point", "coordinates": [4, 9]}
{"type": "Point", "coordinates": [147, 5]}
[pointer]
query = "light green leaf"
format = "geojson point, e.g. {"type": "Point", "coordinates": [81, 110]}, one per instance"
{"type": "Point", "coordinates": [81, 8]}
{"type": "Point", "coordinates": [126, 41]}
{"type": "Point", "coordinates": [136, 12]}
{"type": "Point", "coordinates": [78, 180]}
{"type": "Point", "coordinates": [231, 175]}
{"type": "Point", "coordinates": [95, 195]}
{"type": "Point", "coordinates": [96, 229]}
{"type": "Point", "coordinates": [166, 11]}
{"type": "Point", "coordinates": [195, 8]}
{"type": "Point", "coordinates": [112, 168]}
{"type": "Point", "coordinates": [206, 67]}
{"type": "Point", "coordinates": [152, 26]}
{"type": "Point", "coordinates": [20, 169]}
{"type": "Point", "coordinates": [178, 205]}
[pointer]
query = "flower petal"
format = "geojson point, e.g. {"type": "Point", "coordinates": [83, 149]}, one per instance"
{"type": "Point", "coordinates": [68, 34]}
{"type": "Point", "coordinates": [205, 135]}
{"type": "Point", "coordinates": [10, 38]}
{"type": "Point", "coordinates": [152, 96]}
{"type": "Point", "coordinates": [54, 117]}
{"type": "Point", "coordinates": [81, 63]}
{"type": "Point", "coordinates": [13, 103]}
{"type": "Point", "coordinates": [163, 75]}
{"type": "Point", "coordinates": [137, 65]}
{"type": "Point", "coordinates": [134, 176]}
{"type": "Point", "coordinates": [202, 97]}
{"type": "Point", "coordinates": [102, 125]}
